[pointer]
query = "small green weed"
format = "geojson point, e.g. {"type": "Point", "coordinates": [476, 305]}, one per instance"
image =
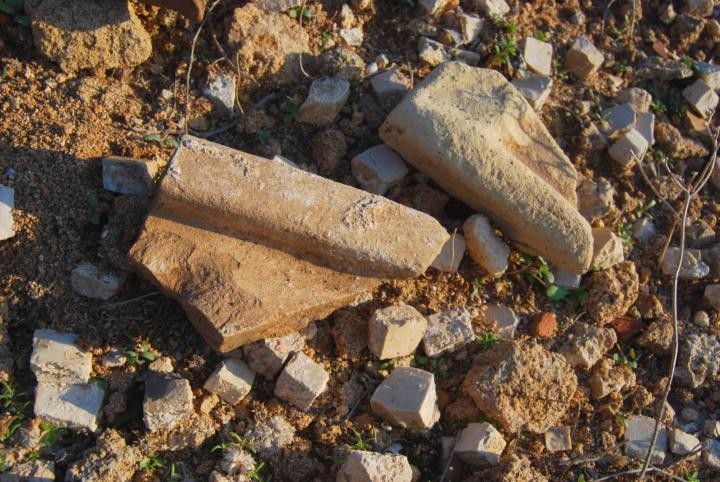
{"type": "Point", "coordinates": [657, 106]}
{"type": "Point", "coordinates": [167, 141]}
{"type": "Point", "coordinates": [296, 12]}
{"type": "Point", "coordinates": [15, 9]}
{"type": "Point", "coordinates": [152, 463]}
{"type": "Point", "coordinates": [540, 36]}
{"type": "Point", "coordinates": [52, 435]}
{"type": "Point", "coordinates": [360, 443]}
{"type": "Point", "coordinates": [255, 474]}
{"type": "Point", "coordinates": [630, 361]}
{"type": "Point", "coordinates": [97, 210]}
{"type": "Point", "coordinates": [621, 68]}
{"type": "Point", "coordinates": [144, 353]}
{"type": "Point", "coordinates": [507, 25]}
{"type": "Point", "coordinates": [505, 50]}
{"type": "Point", "coordinates": [692, 476]}
{"type": "Point", "coordinates": [620, 420]}
{"type": "Point", "coordinates": [486, 340]}
{"type": "Point", "coordinates": [292, 111]}
{"type": "Point", "coordinates": [237, 441]}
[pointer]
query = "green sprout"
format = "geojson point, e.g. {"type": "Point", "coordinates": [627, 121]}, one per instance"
{"type": "Point", "coordinates": [162, 141]}
{"type": "Point", "coordinates": [658, 106]}
{"type": "Point", "coordinates": [486, 340]}
{"type": "Point", "coordinates": [16, 10]}
{"type": "Point", "coordinates": [505, 50]}
{"type": "Point", "coordinates": [360, 442]}
{"type": "Point", "coordinates": [151, 463]}
{"type": "Point", "coordinates": [296, 12]}
{"type": "Point", "coordinates": [237, 441]}
{"type": "Point", "coordinates": [292, 111]}
{"type": "Point", "coordinates": [630, 361]}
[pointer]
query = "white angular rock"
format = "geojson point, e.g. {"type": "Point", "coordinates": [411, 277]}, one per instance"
{"type": "Point", "coordinates": [325, 100]}
{"type": "Point", "coordinates": [395, 331]}
{"type": "Point", "coordinates": [503, 318]}
{"type": "Point", "coordinates": [586, 344]}
{"type": "Point", "coordinates": [702, 98]}
{"type": "Point", "coordinates": [484, 246]}
{"type": "Point", "coordinates": [493, 8]}
{"type": "Point", "coordinates": [451, 254]}
{"type": "Point", "coordinates": [231, 380]}
{"type": "Point", "coordinates": [407, 398]}
{"type": "Point", "coordinates": [639, 99]}
{"type": "Point", "coordinates": [638, 435]}
{"type": "Point", "coordinates": [607, 248]}
{"type": "Point", "coordinates": [692, 266]}
{"type": "Point", "coordinates": [113, 359]}
{"type": "Point", "coordinates": [558, 439]}
{"type": "Point", "coordinates": [565, 279]}
{"type": "Point", "coordinates": [124, 175]}
{"type": "Point", "coordinates": [352, 36]}
{"type": "Point", "coordinates": [435, 53]}
{"type": "Point", "coordinates": [364, 466]}
{"type": "Point", "coordinates": [7, 204]}
{"type": "Point", "coordinates": [583, 59]}
{"type": "Point", "coordinates": [537, 55]}
{"type": "Point", "coordinates": [682, 443]}
{"type": "Point", "coordinates": [535, 88]}
{"type": "Point", "coordinates": [480, 444]}
{"type": "Point", "coordinates": [56, 359]}
{"type": "Point", "coordinates": [711, 454]}
{"type": "Point", "coordinates": [389, 81]}
{"type": "Point", "coordinates": [378, 169]}
{"type": "Point", "coordinates": [447, 331]}
{"type": "Point", "coordinates": [618, 120]}
{"type": "Point", "coordinates": [712, 296]}
{"type": "Point", "coordinates": [471, 27]}
{"type": "Point", "coordinates": [74, 406]}
{"type": "Point", "coordinates": [89, 281]}
{"type": "Point", "coordinates": [630, 146]}
{"type": "Point", "coordinates": [268, 356]}
{"type": "Point", "coordinates": [645, 125]}
{"type": "Point", "coordinates": [168, 401]}
{"type": "Point", "coordinates": [221, 91]}
{"type": "Point", "coordinates": [643, 230]}
{"type": "Point", "coordinates": [434, 6]}
{"type": "Point", "coordinates": [301, 381]}
{"type": "Point", "coordinates": [709, 73]}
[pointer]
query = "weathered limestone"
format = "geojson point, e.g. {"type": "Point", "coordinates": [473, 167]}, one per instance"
{"type": "Point", "coordinates": [638, 435]}
{"type": "Point", "coordinates": [253, 248]}
{"type": "Point", "coordinates": [221, 90]}
{"type": "Point", "coordinates": [56, 359]}
{"type": "Point", "coordinates": [693, 267]}
{"type": "Point", "coordinates": [407, 398]}
{"type": "Point", "coordinates": [607, 248]}
{"type": "Point", "coordinates": [645, 125]}
{"type": "Point", "coordinates": [435, 53]}
{"type": "Point", "coordinates": [618, 120]}
{"type": "Point", "coordinates": [629, 147]}
{"type": "Point", "coordinates": [364, 466]}
{"type": "Point", "coordinates": [475, 135]}
{"type": "Point", "coordinates": [168, 401]}
{"type": "Point", "coordinates": [434, 6]}
{"type": "Point", "coordinates": [503, 318]}
{"type": "Point", "coordinates": [586, 344]}
{"type": "Point", "coordinates": [231, 380]}
{"type": "Point", "coordinates": [90, 281]}
{"type": "Point", "coordinates": [124, 175]}
{"type": "Point", "coordinates": [326, 98]}
{"type": "Point", "coordinates": [395, 331]}
{"type": "Point", "coordinates": [301, 381]}
{"type": "Point", "coordinates": [535, 88]}
{"type": "Point", "coordinates": [682, 443]}
{"type": "Point", "coordinates": [75, 406]}
{"type": "Point", "coordinates": [451, 254]}
{"type": "Point", "coordinates": [537, 55]}
{"type": "Point", "coordinates": [268, 356]}
{"type": "Point", "coordinates": [583, 59]}
{"type": "Point", "coordinates": [702, 98]}
{"type": "Point", "coordinates": [479, 444]}
{"type": "Point", "coordinates": [558, 439]}
{"type": "Point", "coordinates": [484, 246]}
{"type": "Point", "coordinates": [7, 203]}
{"type": "Point", "coordinates": [378, 169]}
{"type": "Point", "coordinates": [493, 7]}
{"type": "Point", "coordinates": [639, 99]}
{"type": "Point", "coordinates": [447, 331]}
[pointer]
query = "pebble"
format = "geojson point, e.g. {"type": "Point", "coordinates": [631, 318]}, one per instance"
{"type": "Point", "coordinates": [434, 6]}
{"type": "Point", "coordinates": [301, 381]}
{"type": "Point", "coordinates": [537, 55]}
{"type": "Point", "coordinates": [682, 443]}
{"type": "Point", "coordinates": [378, 169]}
{"type": "Point", "coordinates": [660, 69]}
{"type": "Point", "coordinates": [324, 102]}
{"type": "Point", "coordinates": [75, 406]}
{"type": "Point", "coordinates": [364, 466]}
{"type": "Point", "coordinates": [168, 401]}
{"type": "Point", "coordinates": [434, 53]}
{"type": "Point", "coordinates": [709, 73]}
{"type": "Point", "coordinates": [451, 254]}
{"type": "Point", "coordinates": [702, 98]}
{"type": "Point", "coordinates": [124, 175]}
{"type": "Point", "coordinates": [558, 439]}
{"type": "Point", "coordinates": [268, 356]}
{"type": "Point", "coordinates": [712, 296]}
{"type": "Point", "coordinates": [618, 120]}
{"type": "Point", "coordinates": [493, 8]}
{"type": "Point", "coordinates": [690, 414]}
{"type": "Point", "coordinates": [643, 230]}
{"type": "Point", "coordinates": [221, 91]}
{"type": "Point", "coordinates": [639, 99]}
{"type": "Point", "coordinates": [484, 246]}
{"type": "Point", "coordinates": [56, 359]}
{"type": "Point", "coordinates": [231, 380]}
{"type": "Point", "coordinates": [586, 344]}
{"type": "Point", "coordinates": [583, 59]}
{"type": "Point", "coordinates": [535, 88]}
{"type": "Point", "coordinates": [607, 248]}
{"type": "Point", "coordinates": [371, 68]}
{"type": "Point", "coordinates": [565, 279]}
{"type": "Point", "coordinates": [447, 331]}
{"type": "Point", "coordinates": [90, 281]}
{"type": "Point", "coordinates": [544, 325]}
{"type": "Point", "coordinates": [7, 204]}
{"type": "Point", "coordinates": [395, 331]}
{"type": "Point", "coordinates": [630, 146]}
{"type": "Point", "coordinates": [503, 318]}
{"type": "Point", "coordinates": [692, 266]}
{"type": "Point", "coordinates": [711, 428]}
{"type": "Point", "coordinates": [389, 82]}
{"type": "Point", "coordinates": [352, 36]}
{"type": "Point", "coordinates": [480, 444]}
{"type": "Point", "coordinates": [699, 359]}
{"type": "Point", "coordinates": [407, 399]}
{"type": "Point", "coordinates": [701, 319]}
{"type": "Point", "coordinates": [638, 434]}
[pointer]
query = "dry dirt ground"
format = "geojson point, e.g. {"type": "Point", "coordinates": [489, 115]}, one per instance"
{"type": "Point", "coordinates": [55, 128]}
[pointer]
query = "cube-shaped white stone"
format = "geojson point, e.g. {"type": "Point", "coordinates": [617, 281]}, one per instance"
{"type": "Point", "coordinates": [538, 56]}
{"type": "Point", "coordinates": [471, 27]}
{"type": "Point", "coordinates": [645, 125]}
{"type": "Point", "coordinates": [231, 380]}
{"type": "Point", "coordinates": [493, 8]}
{"type": "Point", "coordinates": [701, 97]}
{"type": "Point", "coordinates": [326, 98]}
{"type": "Point", "coordinates": [168, 401]}
{"type": "Point", "coordinates": [709, 73]}
{"type": "Point", "coordinates": [378, 169]}
{"type": "Point", "coordinates": [618, 120]}
{"type": "Point", "coordinates": [301, 381]}
{"type": "Point", "coordinates": [447, 331]}
{"type": "Point", "coordinates": [221, 91]}
{"type": "Point", "coordinates": [74, 406]}
{"type": "Point", "coordinates": [268, 356]}
{"type": "Point", "coordinates": [503, 318]}
{"type": "Point", "coordinates": [628, 148]}
{"type": "Point", "coordinates": [480, 444]}
{"type": "Point", "coordinates": [124, 175]}
{"type": "Point", "coordinates": [535, 88]}
{"type": "Point", "coordinates": [407, 398]}
{"type": "Point", "coordinates": [90, 281]}
{"type": "Point", "coordinates": [583, 59]}
{"type": "Point", "coordinates": [7, 204]}
{"type": "Point", "coordinates": [638, 435]}
{"type": "Point", "coordinates": [56, 359]}
{"type": "Point", "coordinates": [451, 254]}
{"type": "Point", "coordinates": [395, 331]}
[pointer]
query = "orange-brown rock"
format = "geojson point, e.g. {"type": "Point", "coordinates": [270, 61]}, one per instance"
{"type": "Point", "coordinates": [253, 248]}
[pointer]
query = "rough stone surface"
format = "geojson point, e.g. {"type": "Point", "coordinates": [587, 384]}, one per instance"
{"type": "Point", "coordinates": [618, 120]}
{"type": "Point", "coordinates": [661, 69]}
{"type": "Point", "coordinates": [692, 266]}
{"type": "Point", "coordinates": [639, 99]}
{"type": "Point", "coordinates": [389, 83]}
{"type": "Point", "coordinates": [395, 331]}
{"type": "Point", "coordinates": [90, 34]}
{"type": "Point", "coordinates": [378, 169]}
{"type": "Point", "coordinates": [628, 148]}
{"type": "Point", "coordinates": [447, 331]}
{"type": "Point", "coordinates": [517, 468]}
{"type": "Point", "coordinates": [271, 435]}
{"type": "Point", "coordinates": [611, 292]}
{"type": "Point", "coordinates": [607, 248]}
{"type": "Point", "coordinates": [324, 102]}
{"type": "Point", "coordinates": [435, 53]}
{"type": "Point", "coordinates": [558, 439]}
{"type": "Point", "coordinates": [699, 359]}
{"type": "Point", "coordinates": [168, 401]}
{"type": "Point", "coordinates": [535, 88]}
{"type": "Point", "coordinates": [522, 385]}
{"type": "Point", "coordinates": [301, 381]}
{"type": "Point", "coordinates": [484, 246]}
{"type": "Point", "coordinates": [56, 359]}
{"type": "Point", "coordinates": [75, 406]}
{"type": "Point", "coordinates": [110, 459]}
{"type": "Point", "coordinates": [30, 471]}
{"type": "Point", "coordinates": [271, 263]}
{"type": "Point", "coordinates": [269, 44]}
{"type": "Point", "coordinates": [231, 380]}
{"type": "Point", "coordinates": [480, 444]}
{"type": "Point", "coordinates": [277, 5]}
{"type": "Point", "coordinates": [352, 36]}
{"type": "Point", "coordinates": [471, 27]}
{"type": "Point", "coordinates": [464, 127]}
{"type": "Point", "coordinates": [583, 59]}
{"type": "Point", "coordinates": [712, 296]}
{"type": "Point", "coordinates": [221, 90]}
{"type": "Point", "coordinates": [123, 175]}
{"type": "Point", "coordinates": [638, 435]}
{"type": "Point", "coordinates": [493, 8]}
{"type": "Point", "coordinates": [342, 63]}
{"type": "Point", "coordinates": [502, 318]}
{"type": "Point", "coordinates": [537, 55]}
{"type": "Point", "coordinates": [407, 398]}
{"type": "Point", "coordinates": [586, 344]}
{"type": "Point", "coordinates": [682, 443]}
{"type": "Point", "coordinates": [702, 98]}
{"type": "Point", "coordinates": [607, 378]}
{"type": "Point", "coordinates": [643, 230]}
{"type": "Point", "coordinates": [595, 199]}
{"type": "Point", "coordinates": [268, 356]}
{"type": "Point", "coordinates": [90, 281]}
{"type": "Point", "coordinates": [711, 454]}
{"type": "Point", "coordinates": [451, 254]}
{"type": "Point", "coordinates": [657, 337]}
{"type": "Point", "coordinates": [7, 204]}
{"type": "Point", "coordinates": [363, 466]}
